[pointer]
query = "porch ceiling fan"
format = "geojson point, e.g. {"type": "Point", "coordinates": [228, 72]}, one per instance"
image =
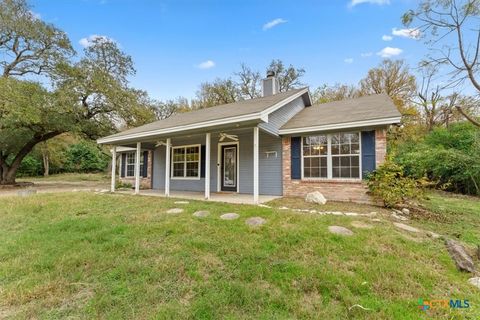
{"type": "Point", "coordinates": [224, 136]}
{"type": "Point", "coordinates": [160, 143]}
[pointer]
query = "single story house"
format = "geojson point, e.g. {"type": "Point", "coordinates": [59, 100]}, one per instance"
{"type": "Point", "coordinates": [279, 144]}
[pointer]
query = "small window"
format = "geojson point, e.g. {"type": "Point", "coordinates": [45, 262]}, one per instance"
{"type": "Point", "coordinates": [130, 164]}
{"type": "Point", "coordinates": [186, 162]}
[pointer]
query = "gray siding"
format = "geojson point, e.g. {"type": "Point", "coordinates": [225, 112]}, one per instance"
{"type": "Point", "coordinates": [270, 170]}
{"type": "Point", "coordinates": [281, 116]}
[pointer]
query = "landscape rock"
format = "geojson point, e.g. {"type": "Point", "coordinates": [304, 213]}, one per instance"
{"type": "Point", "coordinates": [283, 208]}
{"type": "Point", "coordinates": [462, 259]}
{"type": "Point", "coordinates": [351, 214]}
{"type": "Point", "coordinates": [255, 221]}
{"type": "Point", "coordinates": [433, 235]}
{"type": "Point", "coordinates": [475, 281]}
{"type": "Point", "coordinates": [26, 192]}
{"type": "Point", "coordinates": [201, 214]}
{"type": "Point", "coordinates": [398, 217]}
{"type": "Point", "coordinates": [264, 206]}
{"type": "Point", "coordinates": [361, 225]}
{"type": "Point", "coordinates": [405, 227]}
{"type": "Point", "coordinates": [174, 211]}
{"type": "Point", "coordinates": [315, 197]}
{"type": "Point", "coordinates": [340, 230]}
{"type": "Point", "coordinates": [406, 211]}
{"type": "Point", "coordinates": [229, 216]}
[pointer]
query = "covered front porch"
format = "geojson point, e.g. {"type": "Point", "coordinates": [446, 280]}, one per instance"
{"type": "Point", "coordinates": [228, 197]}
{"type": "Point", "coordinates": [225, 165]}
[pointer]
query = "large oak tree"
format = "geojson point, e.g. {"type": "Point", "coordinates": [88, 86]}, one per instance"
{"type": "Point", "coordinates": [88, 96]}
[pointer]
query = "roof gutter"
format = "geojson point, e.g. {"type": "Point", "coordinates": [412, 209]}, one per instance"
{"type": "Point", "coordinates": [345, 125]}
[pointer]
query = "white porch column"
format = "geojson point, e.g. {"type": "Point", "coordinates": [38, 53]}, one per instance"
{"type": "Point", "coordinates": [255, 164]}
{"type": "Point", "coordinates": [207, 166]}
{"type": "Point", "coordinates": [114, 167]}
{"type": "Point", "coordinates": [137, 168]}
{"type": "Point", "coordinates": [167, 167]}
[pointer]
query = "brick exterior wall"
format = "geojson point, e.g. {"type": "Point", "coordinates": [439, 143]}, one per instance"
{"type": "Point", "coordinates": [380, 146]}
{"type": "Point", "coordinates": [335, 190]}
{"type": "Point", "coordinates": [145, 183]}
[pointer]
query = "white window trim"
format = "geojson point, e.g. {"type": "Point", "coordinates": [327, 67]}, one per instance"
{"type": "Point", "coordinates": [199, 146]}
{"type": "Point", "coordinates": [126, 164]}
{"type": "Point", "coordinates": [329, 158]}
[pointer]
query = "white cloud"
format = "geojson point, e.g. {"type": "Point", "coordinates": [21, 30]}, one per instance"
{"type": "Point", "coordinates": [206, 65]}
{"type": "Point", "coordinates": [412, 33]}
{"type": "Point", "coordinates": [88, 41]}
{"type": "Point", "coordinates": [366, 54]}
{"type": "Point", "coordinates": [353, 3]}
{"type": "Point", "coordinates": [388, 52]}
{"type": "Point", "coordinates": [273, 23]}
{"type": "Point", "coordinates": [348, 60]}
{"type": "Point", "coordinates": [387, 38]}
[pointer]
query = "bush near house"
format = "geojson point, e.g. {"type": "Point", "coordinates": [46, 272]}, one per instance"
{"type": "Point", "coordinates": [390, 185]}
{"type": "Point", "coordinates": [450, 157]}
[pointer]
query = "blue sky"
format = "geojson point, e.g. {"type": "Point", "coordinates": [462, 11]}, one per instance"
{"type": "Point", "coordinates": [178, 44]}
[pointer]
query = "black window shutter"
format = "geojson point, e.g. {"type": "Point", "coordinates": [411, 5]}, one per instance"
{"type": "Point", "coordinates": [124, 161]}
{"type": "Point", "coordinates": [296, 167]}
{"type": "Point", "coordinates": [368, 152]}
{"type": "Point", "coordinates": [145, 164]}
{"type": "Point", "coordinates": [202, 162]}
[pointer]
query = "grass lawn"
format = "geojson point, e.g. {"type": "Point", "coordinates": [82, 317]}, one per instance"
{"type": "Point", "coordinates": [85, 255]}
{"type": "Point", "coordinates": [460, 216]}
{"type": "Point", "coordinates": [70, 177]}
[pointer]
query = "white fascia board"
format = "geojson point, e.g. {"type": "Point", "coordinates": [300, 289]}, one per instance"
{"type": "Point", "coordinates": [146, 134]}
{"type": "Point", "coordinates": [280, 104]}
{"type": "Point", "coordinates": [345, 125]}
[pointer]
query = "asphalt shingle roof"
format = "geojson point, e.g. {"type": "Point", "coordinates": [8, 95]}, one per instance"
{"type": "Point", "coordinates": [236, 109]}
{"type": "Point", "coordinates": [378, 106]}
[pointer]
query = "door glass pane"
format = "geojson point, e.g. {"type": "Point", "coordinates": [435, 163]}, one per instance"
{"type": "Point", "coordinates": [230, 167]}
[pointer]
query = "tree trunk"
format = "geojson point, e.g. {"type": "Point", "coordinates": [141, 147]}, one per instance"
{"type": "Point", "coordinates": [8, 176]}
{"type": "Point", "coordinates": [9, 172]}
{"type": "Point", "coordinates": [46, 164]}
{"type": "Point", "coordinates": [468, 117]}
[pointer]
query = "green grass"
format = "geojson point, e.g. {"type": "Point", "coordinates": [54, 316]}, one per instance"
{"type": "Point", "coordinates": [82, 255]}
{"type": "Point", "coordinates": [70, 177]}
{"type": "Point", "coordinates": [460, 215]}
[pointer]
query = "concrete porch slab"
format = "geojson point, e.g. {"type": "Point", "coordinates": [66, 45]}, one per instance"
{"type": "Point", "coordinates": [238, 198]}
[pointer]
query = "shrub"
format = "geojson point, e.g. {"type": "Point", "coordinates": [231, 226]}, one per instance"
{"type": "Point", "coordinates": [30, 166]}
{"type": "Point", "coordinates": [85, 157]}
{"type": "Point", "coordinates": [448, 156]}
{"type": "Point", "coordinates": [389, 184]}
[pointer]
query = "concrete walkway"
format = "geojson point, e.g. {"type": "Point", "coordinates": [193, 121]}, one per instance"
{"type": "Point", "coordinates": [239, 198]}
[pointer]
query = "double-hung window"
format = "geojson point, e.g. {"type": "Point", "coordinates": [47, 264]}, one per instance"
{"type": "Point", "coordinates": [130, 164]}
{"type": "Point", "coordinates": [334, 155]}
{"type": "Point", "coordinates": [315, 151]}
{"type": "Point", "coordinates": [186, 162]}
{"type": "Point", "coordinates": [346, 155]}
